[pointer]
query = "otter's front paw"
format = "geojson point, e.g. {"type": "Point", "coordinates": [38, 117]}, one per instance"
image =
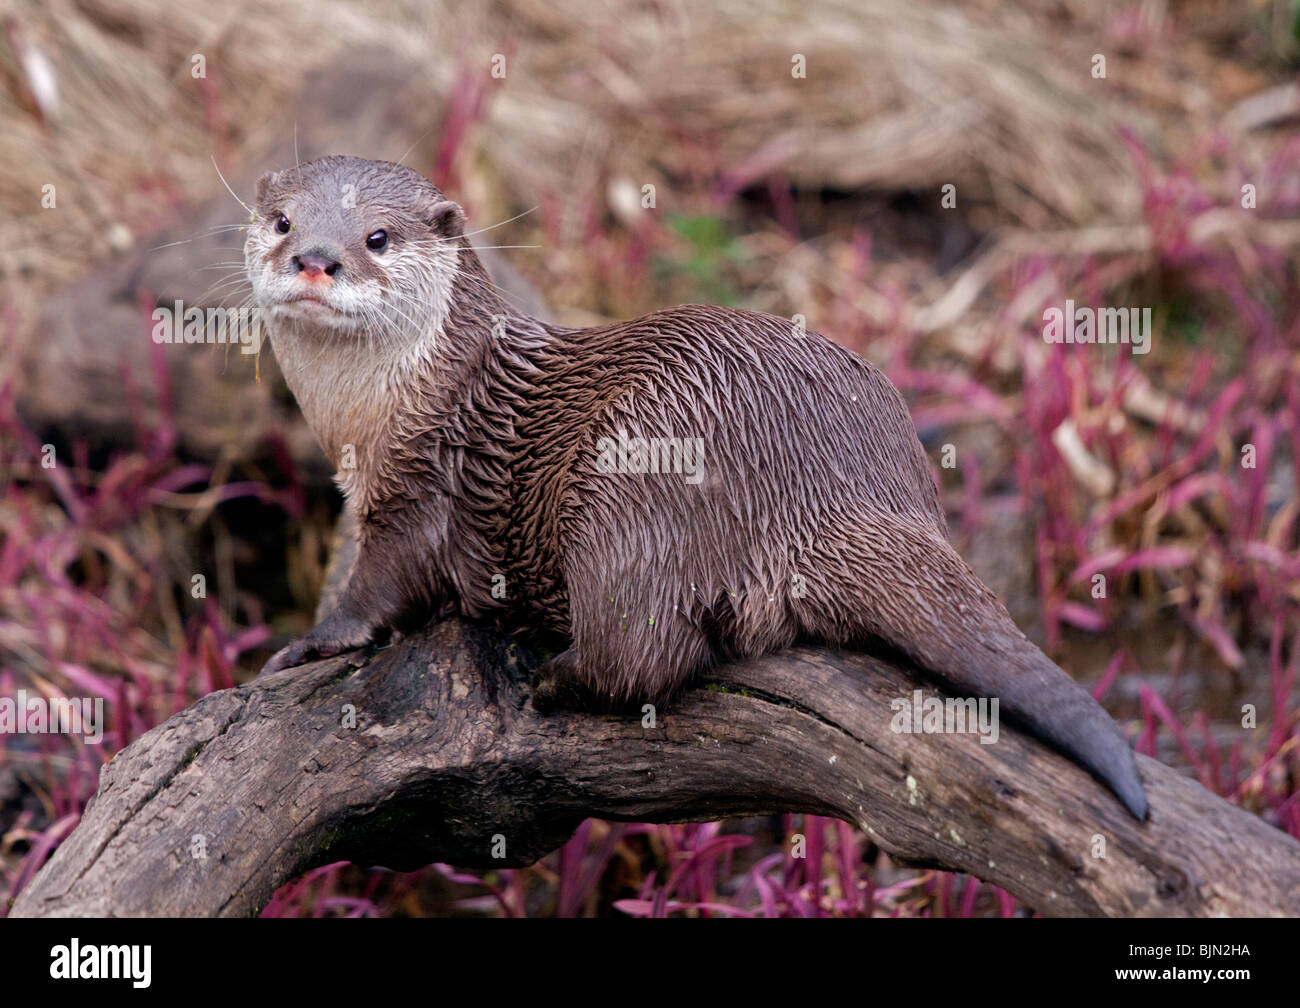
{"type": "Point", "coordinates": [332, 636]}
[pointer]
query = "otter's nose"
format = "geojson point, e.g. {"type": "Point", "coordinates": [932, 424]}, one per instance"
{"type": "Point", "coordinates": [318, 268]}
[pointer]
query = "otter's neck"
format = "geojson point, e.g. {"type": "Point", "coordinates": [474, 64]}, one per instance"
{"type": "Point", "coordinates": [373, 399]}
{"type": "Point", "coordinates": [346, 387]}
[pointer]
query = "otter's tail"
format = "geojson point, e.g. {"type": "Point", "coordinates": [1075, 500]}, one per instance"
{"type": "Point", "coordinates": [1033, 691]}
{"type": "Point", "coordinates": [937, 612]}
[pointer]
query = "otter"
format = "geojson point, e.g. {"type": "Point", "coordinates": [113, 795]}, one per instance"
{"type": "Point", "coordinates": [696, 485]}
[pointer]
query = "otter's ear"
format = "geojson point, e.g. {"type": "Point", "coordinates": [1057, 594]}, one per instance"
{"type": "Point", "coordinates": [264, 184]}
{"type": "Point", "coordinates": [445, 217]}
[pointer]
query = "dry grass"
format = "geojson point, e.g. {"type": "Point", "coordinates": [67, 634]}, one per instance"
{"type": "Point", "coordinates": [898, 96]}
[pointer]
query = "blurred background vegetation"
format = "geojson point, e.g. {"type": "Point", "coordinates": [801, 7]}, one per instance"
{"type": "Point", "coordinates": [1169, 182]}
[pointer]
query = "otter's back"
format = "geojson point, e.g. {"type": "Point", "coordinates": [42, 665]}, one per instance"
{"type": "Point", "coordinates": [784, 438]}
{"type": "Point", "coordinates": [820, 423]}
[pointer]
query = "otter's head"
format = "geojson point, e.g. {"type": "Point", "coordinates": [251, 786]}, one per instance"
{"type": "Point", "coordinates": [346, 247]}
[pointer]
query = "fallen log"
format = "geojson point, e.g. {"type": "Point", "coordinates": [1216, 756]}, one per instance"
{"type": "Point", "coordinates": [430, 751]}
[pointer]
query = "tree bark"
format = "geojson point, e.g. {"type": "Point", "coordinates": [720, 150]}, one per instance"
{"type": "Point", "coordinates": [447, 756]}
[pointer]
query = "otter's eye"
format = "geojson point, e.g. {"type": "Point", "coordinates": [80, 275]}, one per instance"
{"type": "Point", "coordinates": [282, 224]}
{"type": "Point", "coordinates": [376, 240]}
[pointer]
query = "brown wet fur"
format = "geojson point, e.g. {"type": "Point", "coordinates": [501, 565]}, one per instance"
{"type": "Point", "coordinates": [817, 516]}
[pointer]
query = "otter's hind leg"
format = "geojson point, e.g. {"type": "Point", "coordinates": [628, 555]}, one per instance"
{"type": "Point", "coordinates": [631, 644]}
{"type": "Point", "coordinates": [557, 685]}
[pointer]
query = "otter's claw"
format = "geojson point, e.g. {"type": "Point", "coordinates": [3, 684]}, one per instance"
{"type": "Point", "coordinates": [333, 636]}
